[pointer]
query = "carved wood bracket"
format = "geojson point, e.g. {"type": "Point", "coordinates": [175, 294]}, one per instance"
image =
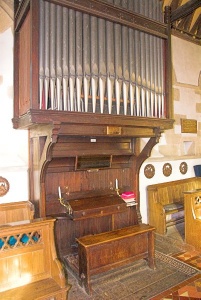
{"type": "Point", "coordinates": [146, 151]}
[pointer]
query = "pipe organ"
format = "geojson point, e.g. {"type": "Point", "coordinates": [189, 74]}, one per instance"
{"type": "Point", "coordinates": [88, 64]}
{"type": "Point", "coordinates": [91, 79]}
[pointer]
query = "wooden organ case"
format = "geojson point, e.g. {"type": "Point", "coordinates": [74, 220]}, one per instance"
{"type": "Point", "coordinates": [85, 115]}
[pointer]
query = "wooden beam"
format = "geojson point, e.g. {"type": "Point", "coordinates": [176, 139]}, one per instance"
{"type": "Point", "coordinates": [185, 10]}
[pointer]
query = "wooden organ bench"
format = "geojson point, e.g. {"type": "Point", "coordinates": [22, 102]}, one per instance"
{"type": "Point", "coordinates": [105, 251]}
{"type": "Point", "coordinates": [28, 262]}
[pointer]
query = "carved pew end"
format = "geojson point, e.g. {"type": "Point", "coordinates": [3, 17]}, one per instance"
{"type": "Point", "coordinates": [28, 262]}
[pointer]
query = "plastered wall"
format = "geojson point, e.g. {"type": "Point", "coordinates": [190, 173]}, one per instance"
{"type": "Point", "coordinates": [13, 143]}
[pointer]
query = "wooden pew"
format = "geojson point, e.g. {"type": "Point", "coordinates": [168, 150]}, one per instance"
{"type": "Point", "coordinates": [16, 211]}
{"type": "Point", "coordinates": [166, 202]}
{"type": "Point", "coordinates": [192, 201]}
{"type": "Point", "coordinates": [29, 266]}
{"type": "Point", "coordinates": [105, 251]}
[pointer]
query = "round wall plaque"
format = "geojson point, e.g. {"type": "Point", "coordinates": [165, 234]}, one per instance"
{"type": "Point", "coordinates": [183, 167]}
{"type": "Point", "coordinates": [167, 169]}
{"type": "Point", "coordinates": [4, 186]}
{"type": "Point", "coordinates": [149, 171]}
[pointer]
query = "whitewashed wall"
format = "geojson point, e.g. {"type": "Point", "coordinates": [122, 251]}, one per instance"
{"type": "Point", "coordinates": [13, 143]}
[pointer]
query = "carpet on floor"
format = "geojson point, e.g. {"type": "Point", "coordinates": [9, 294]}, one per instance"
{"type": "Point", "coordinates": [137, 280]}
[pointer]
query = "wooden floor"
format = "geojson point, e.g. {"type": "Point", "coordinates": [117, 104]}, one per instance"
{"type": "Point", "coordinates": [137, 281]}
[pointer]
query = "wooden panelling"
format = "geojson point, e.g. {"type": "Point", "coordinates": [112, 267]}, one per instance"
{"type": "Point", "coordinates": [24, 66]}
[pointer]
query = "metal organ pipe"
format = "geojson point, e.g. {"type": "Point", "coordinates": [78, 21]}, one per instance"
{"type": "Point", "coordinates": [147, 66]}
{"type": "Point", "coordinates": [65, 68]}
{"type": "Point", "coordinates": [52, 56]}
{"type": "Point", "coordinates": [131, 53]}
{"type": "Point", "coordinates": [161, 68]}
{"type": "Point", "coordinates": [94, 61]}
{"type": "Point", "coordinates": [110, 63]}
{"type": "Point", "coordinates": [152, 67]}
{"type": "Point", "coordinates": [152, 85]}
{"type": "Point", "coordinates": [102, 62]}
{"type": "Point", "coordinates": [47, 53]}
{"type": "Point", "coordinates": [59, 38]}
{"type": "Point", "coordinates": [88, 64]}
{"type": "Point", "coordinates": [118, 66]}
{"type": "Point", "coordinates": [143, 65]}
{"type": "Point", "coordinates": [71, 44]}
{"type": "Point", "coordinates": [78, 55]}
{"type": "Point", "coordinates": [41, 56]}
{"type": "Point", "coordinates": [86, 60]}
{"type": "Point", "coordinates": [125, 63]}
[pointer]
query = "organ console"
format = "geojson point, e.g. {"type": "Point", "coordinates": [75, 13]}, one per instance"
{"type": "Point", "coordinates": [92, 215]}
{"type": "Point", "coordinates": [89, 201]}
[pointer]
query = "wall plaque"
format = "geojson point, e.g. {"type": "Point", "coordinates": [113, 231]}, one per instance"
{"type": "Point", "coordinates": [149, 171]}
{"type": "Point", "coordinates": [4, 186]}
{"type": "Point", "coordinates": [114, 130]}
{"type": "Point", "coordinates": [188, 126]}
{"type": "Point", "coordinates": [183, 167]}
{"type": "Point", "coordinates": [167, 169]}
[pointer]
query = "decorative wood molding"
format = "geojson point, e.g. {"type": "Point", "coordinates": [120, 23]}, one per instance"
{"type": "Point", "coordinates": [116, 14]}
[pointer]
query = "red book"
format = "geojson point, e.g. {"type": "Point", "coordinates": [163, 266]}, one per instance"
{"type": "Point", "coordinates": [128, 195]}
